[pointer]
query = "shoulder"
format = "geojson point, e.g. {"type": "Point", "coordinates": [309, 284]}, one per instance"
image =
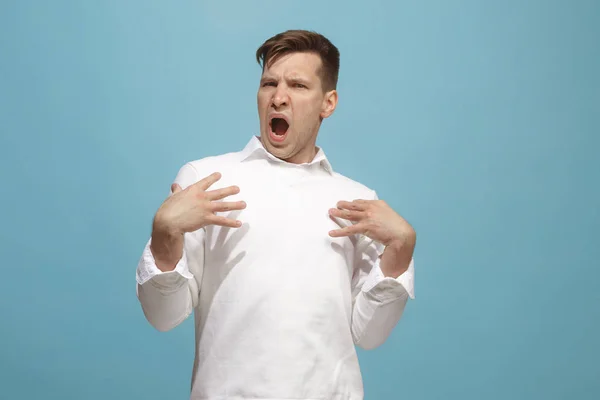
{"type": "Point", "coordinates": [196, 170]}
{"type": "Point", "coordinates": [353, 188]}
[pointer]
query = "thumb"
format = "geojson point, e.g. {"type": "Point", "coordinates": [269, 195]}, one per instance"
{"type": "Point", "coordinates": [175, 188]}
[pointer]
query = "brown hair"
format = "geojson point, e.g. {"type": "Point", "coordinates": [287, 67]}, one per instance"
{"type": "Point", "coordinates": [303, 41]}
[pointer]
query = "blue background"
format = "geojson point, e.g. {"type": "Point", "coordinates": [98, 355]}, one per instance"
{"type": "Point", "coordinates": [478, 121]}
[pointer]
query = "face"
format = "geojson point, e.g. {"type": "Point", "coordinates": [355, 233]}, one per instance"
{"type": "Point", "coordinates": [292, 105]}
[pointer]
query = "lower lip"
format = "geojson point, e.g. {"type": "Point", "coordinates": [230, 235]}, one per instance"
{"type": "Point", "coordinates": [277, 138]}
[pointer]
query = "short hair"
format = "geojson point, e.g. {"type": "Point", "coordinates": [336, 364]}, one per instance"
{"type": "Point", "coordinates": [303, 41]}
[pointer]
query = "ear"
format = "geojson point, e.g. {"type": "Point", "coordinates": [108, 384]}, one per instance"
{"type": "Point", "coordinates": [329, 103]}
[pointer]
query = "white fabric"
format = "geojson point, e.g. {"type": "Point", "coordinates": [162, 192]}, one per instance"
{"type": "Point", "coordinates": [278, 304]}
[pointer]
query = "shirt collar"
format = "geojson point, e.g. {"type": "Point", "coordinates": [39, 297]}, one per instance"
{"type": "Point", "coordinates": [255, 148]}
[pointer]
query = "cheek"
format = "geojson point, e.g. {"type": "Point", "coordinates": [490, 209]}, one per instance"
{"type": "Point", "coordinates": [262, 106]}
{"type": "Point", "coordinates": [262, 100]}
{"type": "Point", "coordinates": [308, 109]}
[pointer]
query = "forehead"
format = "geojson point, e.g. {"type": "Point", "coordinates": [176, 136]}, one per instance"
{"type": "Point", "coordinates": [302, 64]}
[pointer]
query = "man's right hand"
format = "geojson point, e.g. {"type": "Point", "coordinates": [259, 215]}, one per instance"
{"type": "Point", "coordinates": [187, 211]}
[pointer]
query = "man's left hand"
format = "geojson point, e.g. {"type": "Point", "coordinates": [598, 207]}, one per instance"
{"type": "Point", "coordinates": [378, 221]}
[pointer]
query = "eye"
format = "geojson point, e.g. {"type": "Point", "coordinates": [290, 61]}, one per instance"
{"type": "Point", "coordinates": [300, 86]}
{"type": "Point", "coordinates": [269, 83]}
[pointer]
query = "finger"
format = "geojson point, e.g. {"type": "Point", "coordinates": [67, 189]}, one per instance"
{"type": "Point", "coordinates": [220, 206]}
{"type": "Point", "coordinates": [222, 221]}
{"type": "Point", "coordinates": [356, 205]}
{"type": "Point", "coordinates": [175, 188]}
{"type": "Point", "coordinates": [347, 214]}
{"type": "Point", "coordinates": [205, 183]}
{"type": "Point", "coordinates": [222, 193]}
{"type": "Point", "coordinates": [350, 230]}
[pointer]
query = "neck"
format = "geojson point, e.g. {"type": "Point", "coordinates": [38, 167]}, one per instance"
{"type": "Point", "coordinates": [305, 156]}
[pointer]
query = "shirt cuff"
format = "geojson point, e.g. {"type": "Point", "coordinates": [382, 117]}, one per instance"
{"type": "Point", "coordinates": [148, 270]}
{"type": "Point", "coordinates": [376, 281]}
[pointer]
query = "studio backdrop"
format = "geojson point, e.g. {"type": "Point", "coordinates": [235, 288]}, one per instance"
{"type": "Point", "coordinates": [478, 121]}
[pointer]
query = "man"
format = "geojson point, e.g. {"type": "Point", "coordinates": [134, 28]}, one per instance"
{"type": "Point", "coordinates": [285, 263]}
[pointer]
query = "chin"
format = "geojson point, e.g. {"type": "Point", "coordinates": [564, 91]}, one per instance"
{"type": "Point", "coordinates": [276, 141]}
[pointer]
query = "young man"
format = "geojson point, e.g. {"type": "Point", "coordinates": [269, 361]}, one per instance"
{"type": "Point", "coordinates": [285, 263]}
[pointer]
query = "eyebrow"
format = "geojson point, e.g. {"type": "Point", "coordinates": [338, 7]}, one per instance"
{"type": "Point", "coordinates": [297, 79]}
{"type": "Point", "coordinates": [266, 79]}
{"type": "Point", "coordinates": [300, 80]}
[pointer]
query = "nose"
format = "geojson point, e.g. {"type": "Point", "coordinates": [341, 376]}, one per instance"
{"type": "Point", "coordinates": [280, 97]}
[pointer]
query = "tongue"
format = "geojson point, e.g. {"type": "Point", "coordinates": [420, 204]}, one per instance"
{"type": "Point", "coordinates": [280, 127]}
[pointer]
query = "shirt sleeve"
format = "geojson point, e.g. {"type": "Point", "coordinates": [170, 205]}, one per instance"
{"type": "Point", "coordinates": [379, 301]}
{"type": "Point", "coordinates": [406, 280]}
{"type": "Point", "coordinates": [168, 298]}
{"type": "Point", "coordinates": [148, 271]}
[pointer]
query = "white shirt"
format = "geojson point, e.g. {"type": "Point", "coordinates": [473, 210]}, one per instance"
{"type": "Point", "coordinates": [278, 304]}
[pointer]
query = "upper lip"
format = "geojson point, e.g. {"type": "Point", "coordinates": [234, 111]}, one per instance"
{"type": "Point", "coordinates": [278, 115]}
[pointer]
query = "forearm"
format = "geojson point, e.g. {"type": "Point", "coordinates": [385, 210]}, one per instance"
{"type": "Point", "coordinates": [375, 315]}
{"type": "Point", "coordinates": [170, 270]}
{"type": "Point", "coordinates": [166, 246]}
{"type": "Point", "coordinates": [168, 298]}
{"type": "Point", "coordinates": [396, 259]}
{"type": "Point", "coordinates": [380, 303]}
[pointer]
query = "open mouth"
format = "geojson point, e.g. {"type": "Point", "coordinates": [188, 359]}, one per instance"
{"type": "Point", "coordinates": [279, 127]}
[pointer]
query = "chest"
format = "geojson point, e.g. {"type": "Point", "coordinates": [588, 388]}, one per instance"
{"type": "Point", "coordinates": [286, 220]}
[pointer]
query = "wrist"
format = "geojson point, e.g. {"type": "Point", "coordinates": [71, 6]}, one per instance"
{"type": "Point", "coordinates": [166, 246]}
{"type": "Point", "coordinates": [161, 227]}
{"type": "Point", "coordinates": [395, 260]}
